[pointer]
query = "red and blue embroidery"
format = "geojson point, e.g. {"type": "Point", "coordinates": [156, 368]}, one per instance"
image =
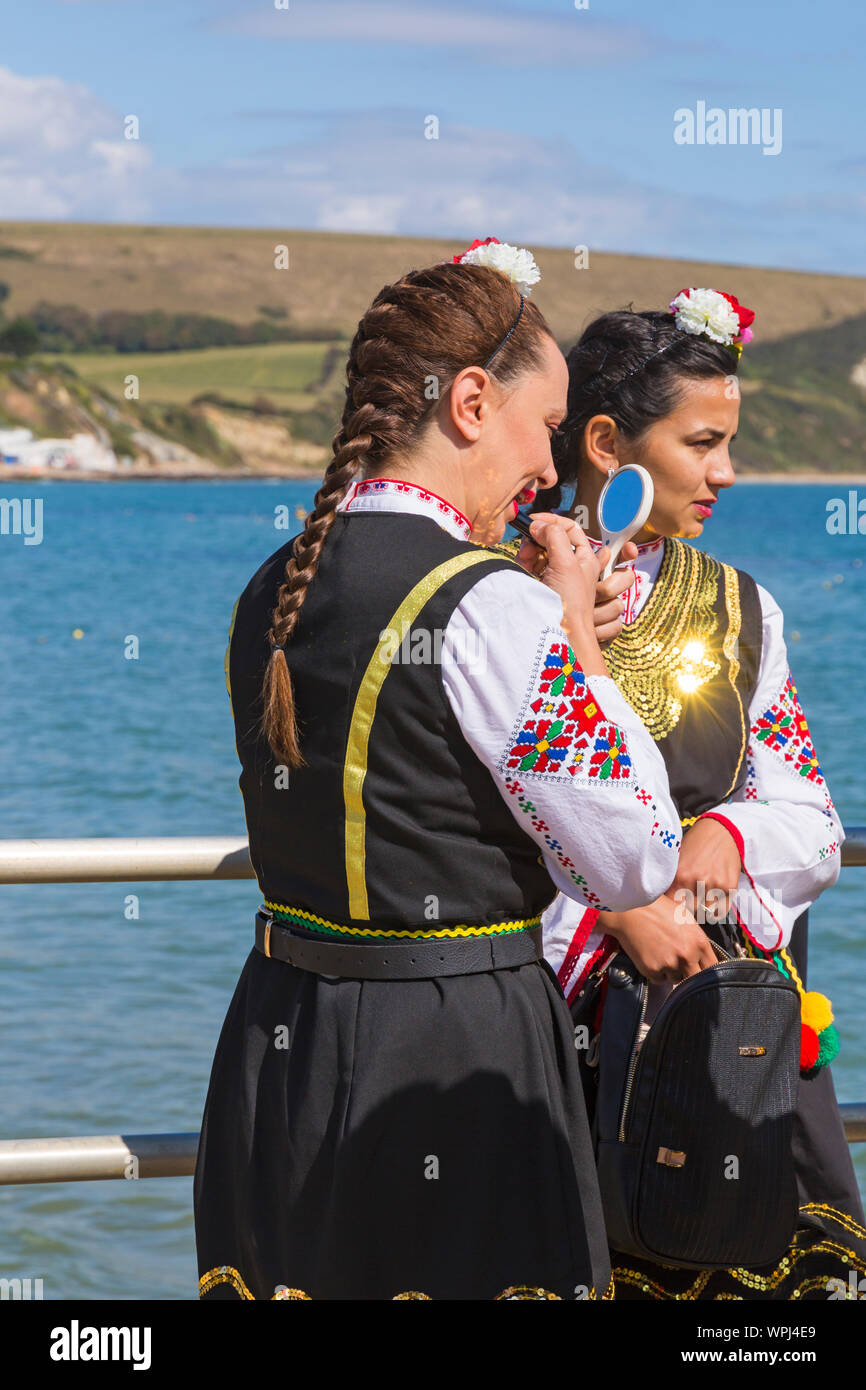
{"type": "Point", "coordinates": [751, 789]}
{"type": "Point", "coordinates": [562, 730]}
{"type": "Point", "coordinates": [541, 744]}
{"type": "Point", "coordinates": [561, 674]}
{"type": "Point", "coordinates": [783, 729]}
{"type": "Point", "coordinates": [610, 756]}
{"type": "Point", "coordinates": [668, 837]}
{"type": "Point", "coordinates": [539, 824]}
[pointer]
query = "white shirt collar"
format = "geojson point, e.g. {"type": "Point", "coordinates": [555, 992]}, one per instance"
{"type": "Point", "coordinates": [399, 495]}
{"type": "Point", "coordinates": [645, 548]}
{"type": "Point", "coordinates": [646, 570]}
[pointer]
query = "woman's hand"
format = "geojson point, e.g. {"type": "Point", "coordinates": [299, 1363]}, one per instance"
{"type": "Point", "coordinates": [663, 939]}
{"type": "Point", "coordinates": [573, 571]}
{"type": "Point", "coordinates": [708, 857]}
{"type": "Point", "coordinates": [609, 608]}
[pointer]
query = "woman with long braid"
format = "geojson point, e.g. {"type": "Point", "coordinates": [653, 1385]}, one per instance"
{"type": "Point", "coordinates": [430, 746]}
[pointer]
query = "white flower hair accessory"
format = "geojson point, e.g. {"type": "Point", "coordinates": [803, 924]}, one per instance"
{"type": "Point", "coordinates": [514, 262]}
{"type": "Point", "coordinates": [716, 315]}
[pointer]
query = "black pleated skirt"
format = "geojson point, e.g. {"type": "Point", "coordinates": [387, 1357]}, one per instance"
{"type": "Point", "coordinates": [389, 1139]}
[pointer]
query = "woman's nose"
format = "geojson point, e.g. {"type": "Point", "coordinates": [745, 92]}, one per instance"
{"type": "Point", "coordinates": [549, 477]}
{"type": "Point", "coordinates": [721, 472]}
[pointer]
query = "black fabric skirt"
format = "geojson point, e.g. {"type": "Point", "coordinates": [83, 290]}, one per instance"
{"type": "Point", "coordinates": [389, 1139]}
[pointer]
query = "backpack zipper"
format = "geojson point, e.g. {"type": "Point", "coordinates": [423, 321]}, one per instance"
{"type": "Point", "coordinates": [725, 959]}
{"type": "Point", "coordinates": [633, 1063]}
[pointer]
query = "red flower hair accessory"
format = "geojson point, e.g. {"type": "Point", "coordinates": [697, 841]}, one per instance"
{"type": "Point", "coordinates": [714, 315]}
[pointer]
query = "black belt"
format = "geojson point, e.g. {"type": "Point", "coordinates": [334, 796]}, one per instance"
{"type": "Point", "coordinates": [396, 960]}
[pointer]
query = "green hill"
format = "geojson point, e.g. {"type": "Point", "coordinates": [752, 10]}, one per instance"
{"type": "Point", "coordinates": [804, 402]}
{"type": "Point", "coordinates": [275, 405]}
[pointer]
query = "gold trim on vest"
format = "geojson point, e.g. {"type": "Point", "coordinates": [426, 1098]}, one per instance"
{"type": "Point", "coordinates": [355, 766]}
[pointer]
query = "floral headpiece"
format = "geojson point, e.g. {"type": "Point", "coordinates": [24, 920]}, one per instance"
{"type": "Point", "coordinates": [705, 313]}
{"type": "Point", "coordinates": [513, 261]}
{"type": "Point", "coordinates": [715, 315]}
{"type": "Point", "coordinates": [517, 264]}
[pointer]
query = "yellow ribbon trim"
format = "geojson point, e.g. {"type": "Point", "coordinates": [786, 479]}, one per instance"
{"type": "Point", "coordinates": [495, 928]}
{"type": "Point", "coordinates": [226, 665]}
{"type": "Point", "coordinates": [730, 647]}
{"type": "Point", "coordinates": [228, 649]}
{"type": "Point", "coordinates": [355, 766]}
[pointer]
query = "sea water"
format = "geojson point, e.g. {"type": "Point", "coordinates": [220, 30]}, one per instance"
{"type": "Point", "coordinates": [116, 722]}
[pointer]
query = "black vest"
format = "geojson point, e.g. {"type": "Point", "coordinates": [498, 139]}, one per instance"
{"type": "Point", "coordinates": [393, 822]}
{"type": "Point", "coordinates": [689, 665]}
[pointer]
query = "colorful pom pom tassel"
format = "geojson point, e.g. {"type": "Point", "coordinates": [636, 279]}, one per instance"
{"type": "Point", "coordinates": [829, 1040]}
{"type": "Point", "coordinates": [819, 1040]}
{"type": "Point", "coordinates": [810, 1047]}
{"type": "Point", "coordinates": [816, 1010]}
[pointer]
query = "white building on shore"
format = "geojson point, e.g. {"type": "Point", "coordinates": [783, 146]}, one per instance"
{"type": "Point", "coordinates": [81, 453]}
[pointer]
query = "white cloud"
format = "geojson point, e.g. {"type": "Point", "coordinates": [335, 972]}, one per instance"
{"type": "Point", "coordinates": [377, 173]}
{"type": "Point", "coordinates": [481, 31]}
{"type": "Point", "coordinates": [63, 154]}
{"type": "Point", "coordinates": [63, 157]}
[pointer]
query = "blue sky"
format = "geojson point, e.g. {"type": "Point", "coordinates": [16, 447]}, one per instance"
{"type": "Point", "coordinates": [556, 124]}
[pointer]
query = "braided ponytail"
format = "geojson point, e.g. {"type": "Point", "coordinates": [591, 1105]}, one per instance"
{"type": "Point", "coordinates": [425, 328]}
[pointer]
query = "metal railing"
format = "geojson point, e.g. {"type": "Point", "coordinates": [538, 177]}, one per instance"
{"type": "Point", "coordinates": [167, 859]}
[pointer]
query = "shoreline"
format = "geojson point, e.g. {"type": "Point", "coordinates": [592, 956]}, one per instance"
{"type": "Point", "coordinates": [22, 474]}
{"type": "Point", "coordinates": [14, 474]}
{"type": "Point", "coordinates": [831, 479]}
{"type": "Point", "coordinates": [77, 475]}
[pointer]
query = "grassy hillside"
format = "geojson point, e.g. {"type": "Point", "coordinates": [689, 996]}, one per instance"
{"type": "Point", "coordinates": [331, 277]}
{"type": "Point", "coordinates": [203, 437]}
{"type": "Point", "coordinates": [283, 372]}
{"type": "Point", "coordinates": [275, 406]}
{"type": "Point", "coordinates": [804, 402]}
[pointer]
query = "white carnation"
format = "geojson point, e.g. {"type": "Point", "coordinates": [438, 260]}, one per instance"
{"type": "Point", "coordinates": [706, 311]}
{"type": "Point", "coordinates": [513, 261]}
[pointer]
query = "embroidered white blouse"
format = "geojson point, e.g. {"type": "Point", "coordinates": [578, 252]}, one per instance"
{"type": "Point", "coordinates": [566, 751]}
{"type": "Point", "coordinates": [782, 818]}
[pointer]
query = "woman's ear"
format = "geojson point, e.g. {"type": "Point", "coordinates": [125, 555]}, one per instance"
{"type": "Point", "coordinates": [601, 443]}
{"type": "Point", "coordinates": [469, 402]}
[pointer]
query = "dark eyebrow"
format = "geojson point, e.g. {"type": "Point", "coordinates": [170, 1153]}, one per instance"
{"type": "Point", "coordinates": [715, 434]}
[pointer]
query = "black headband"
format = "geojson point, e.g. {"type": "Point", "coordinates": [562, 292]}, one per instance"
{"type": "Point", "coordinates": [507, 336]}
{"type": "Point", "coordinates": [640, 366]}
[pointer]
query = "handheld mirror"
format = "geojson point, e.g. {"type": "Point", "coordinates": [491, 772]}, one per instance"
{"type": "Point", "coordinates": [625, 503]}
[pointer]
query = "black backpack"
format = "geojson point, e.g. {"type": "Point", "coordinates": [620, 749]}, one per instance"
{"type": "Point", "coordinates": [693, 1121]}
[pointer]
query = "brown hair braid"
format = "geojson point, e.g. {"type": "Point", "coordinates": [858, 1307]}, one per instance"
{"type": "Point", "coordinates": [427, 326]}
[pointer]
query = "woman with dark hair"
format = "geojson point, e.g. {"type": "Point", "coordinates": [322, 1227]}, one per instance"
{"type": "Point", "coordinates": [394, 1108]}
{"type": "Point", "coordinates": [701, 655]}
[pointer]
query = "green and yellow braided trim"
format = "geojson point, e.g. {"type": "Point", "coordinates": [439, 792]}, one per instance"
{"type": "Point", "coordinates": [282, 912]}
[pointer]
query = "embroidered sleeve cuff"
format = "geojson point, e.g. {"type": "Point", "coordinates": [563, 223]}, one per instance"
{"type": "Point", "coordinates": [731, 829]}
{"type": "Point", "coordinates": [789, 855]}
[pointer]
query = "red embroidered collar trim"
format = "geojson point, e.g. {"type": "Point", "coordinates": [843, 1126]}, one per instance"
{"type": "Point", "coordinates": [641, 549]}
{"type": "Point", "coordinates": [377, 487]}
